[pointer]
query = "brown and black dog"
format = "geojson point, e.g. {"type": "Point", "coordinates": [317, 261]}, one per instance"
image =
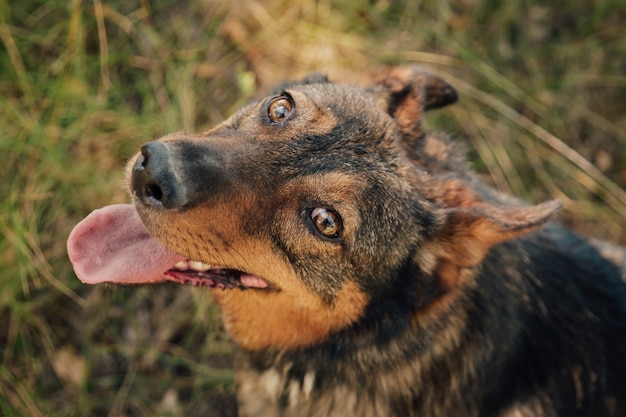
{"type": "Point", "coordinates": [361, 267]}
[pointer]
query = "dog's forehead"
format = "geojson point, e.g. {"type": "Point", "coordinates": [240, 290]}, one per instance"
{"type": "Point", "coordinates": [318, 110]}
{"type": "Point", "coordinates": [342, 99]}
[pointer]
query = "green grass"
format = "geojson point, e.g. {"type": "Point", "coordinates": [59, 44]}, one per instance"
{"type": "Point", "coordinates": [83, 84]}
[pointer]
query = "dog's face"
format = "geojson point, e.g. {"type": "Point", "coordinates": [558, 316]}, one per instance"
{"type": "Point", "coordinates": [308, 206]}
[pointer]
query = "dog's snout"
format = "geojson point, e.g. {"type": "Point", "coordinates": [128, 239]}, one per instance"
{"type": "Point", "coordinates": [155, 181]}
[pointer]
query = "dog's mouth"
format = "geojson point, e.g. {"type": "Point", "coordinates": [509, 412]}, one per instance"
{"type": "Point", "coordinates": [199, 274]}
{"type": "Point", "coordinates": [112, 245]}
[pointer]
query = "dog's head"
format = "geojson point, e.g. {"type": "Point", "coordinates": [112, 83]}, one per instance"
{"type": "Point", "coordinates": [314, 204]}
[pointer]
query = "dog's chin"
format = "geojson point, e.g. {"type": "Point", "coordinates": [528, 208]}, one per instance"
{"type": "Point", "coordinates": [199, 274]}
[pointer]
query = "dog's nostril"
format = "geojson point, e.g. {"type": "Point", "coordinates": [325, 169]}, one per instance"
{"type": "Point", "coordinates": [142, 161]}
{"type": "Point", "coordinates": [154, 191]}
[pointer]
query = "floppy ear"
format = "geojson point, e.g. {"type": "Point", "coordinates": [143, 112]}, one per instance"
{"type": "Point", "coordinates": [407, 92]}
{"type": "Point", "coordinates": [468, 233]}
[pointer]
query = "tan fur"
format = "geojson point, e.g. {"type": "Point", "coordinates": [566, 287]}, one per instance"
{"type": "Point", "coordinates": [287, 319]}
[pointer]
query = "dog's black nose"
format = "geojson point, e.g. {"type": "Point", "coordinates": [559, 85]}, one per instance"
{"type": "Point", "coordinates": [156, 178]}
{"type": "Point", "coordinates": [180, 174]}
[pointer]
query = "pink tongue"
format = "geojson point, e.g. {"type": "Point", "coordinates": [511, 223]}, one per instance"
{"type": "Point", "coordinates": [112, 245]}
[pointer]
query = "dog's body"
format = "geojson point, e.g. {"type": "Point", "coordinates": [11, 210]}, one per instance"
{"type": "Point", "coordinates": [381, 278]}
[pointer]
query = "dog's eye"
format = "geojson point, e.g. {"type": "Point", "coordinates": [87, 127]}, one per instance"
{"type": "Point", "coordinates": [280, 108]}
{"type": "Point", "coordinates": [327, 222]}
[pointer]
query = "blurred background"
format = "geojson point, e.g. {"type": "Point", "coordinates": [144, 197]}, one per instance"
{"type": "Point", "coordinates": [83, 84]}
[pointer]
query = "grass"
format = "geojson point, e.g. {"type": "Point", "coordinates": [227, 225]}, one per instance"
{"type": "Point", "coordinates": [83, 84]}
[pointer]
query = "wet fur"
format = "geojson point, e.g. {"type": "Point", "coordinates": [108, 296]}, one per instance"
{"type": "Point", "coordinates": [441, 298]}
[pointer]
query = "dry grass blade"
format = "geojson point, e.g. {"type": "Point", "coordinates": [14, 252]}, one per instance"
{"type": "Point", "coordinates": [614, 196]}
{"type": "Point", "coordinates": [14, 54]}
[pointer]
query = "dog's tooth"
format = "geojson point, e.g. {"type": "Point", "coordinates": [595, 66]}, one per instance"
{"type": "Point", "coordinates": [199, 266]}
{"type": "Point", "coordinates": [182, 266]}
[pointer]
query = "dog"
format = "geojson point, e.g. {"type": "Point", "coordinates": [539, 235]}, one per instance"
{"type": "Point", "coordinates": [361, 267]}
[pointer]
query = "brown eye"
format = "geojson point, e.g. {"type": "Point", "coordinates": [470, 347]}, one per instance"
{"type": "Point", "coordinates": [327, 222]}
{"type": "Point", "coordinates": [280, 108]}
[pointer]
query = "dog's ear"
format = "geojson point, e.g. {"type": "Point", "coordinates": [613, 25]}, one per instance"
{"type": "Point", "coordinates": [466, 234]}
{"type": "Point", "coordinates": [407, 92]}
